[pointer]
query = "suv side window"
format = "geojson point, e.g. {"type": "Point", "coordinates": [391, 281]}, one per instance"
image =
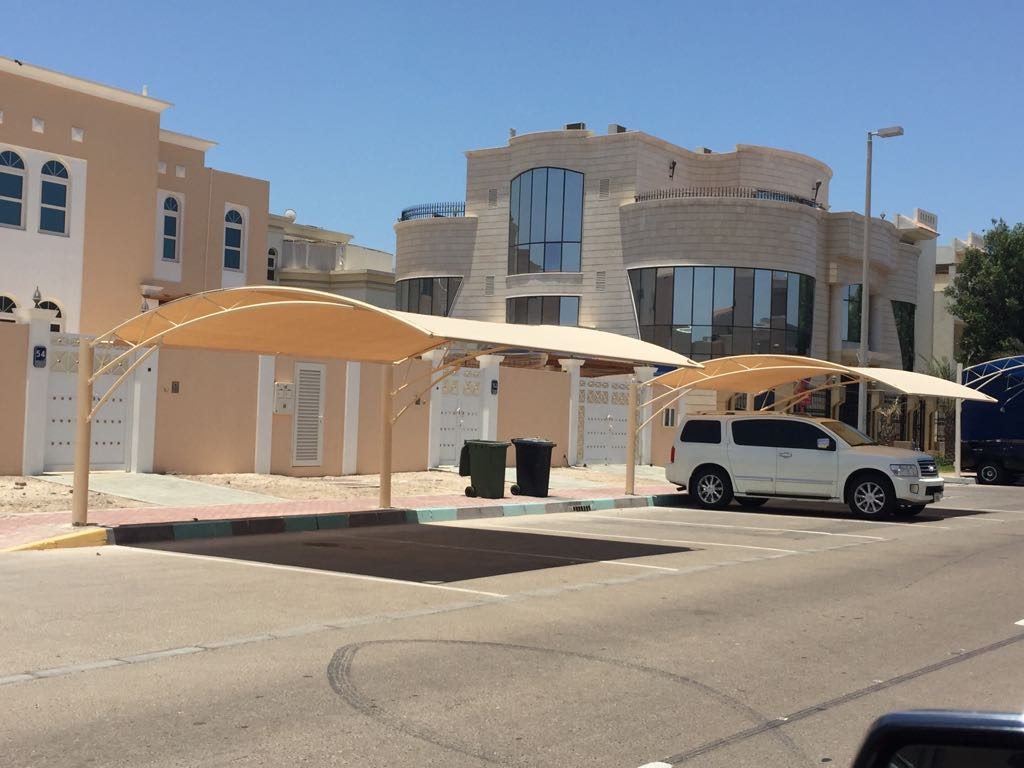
{"type": "Point", "coordinates": [759, 432]}
{"type": "Point", "coordinates": [702, 431]}
{"type": "Point", "coordinates": [797, 434]}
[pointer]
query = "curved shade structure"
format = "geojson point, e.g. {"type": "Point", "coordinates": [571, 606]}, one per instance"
{"type": "Point", "coordinates": [305, 323]}
{"type": "Point", "coordinates": [757, 373]}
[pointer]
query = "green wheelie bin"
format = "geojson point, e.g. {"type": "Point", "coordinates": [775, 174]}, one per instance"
{"type": "Point", "coordinates": [484, 462]}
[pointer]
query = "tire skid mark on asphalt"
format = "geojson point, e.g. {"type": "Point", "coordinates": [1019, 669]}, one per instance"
{"type": "Point", "coordinates": [769, 726]}
{"type": "Point", "coordinates": [339, 675]}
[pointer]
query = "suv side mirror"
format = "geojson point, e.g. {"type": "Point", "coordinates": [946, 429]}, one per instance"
{"type": "Point", "coordinates": [930, 739]}
{"type": "Point", "coordinates": [826, 444]}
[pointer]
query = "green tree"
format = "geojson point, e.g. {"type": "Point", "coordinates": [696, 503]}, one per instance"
{"type": "Point", "coordinates": [944, 368]}
{"type": "Point", "coordinates": [988, 295]}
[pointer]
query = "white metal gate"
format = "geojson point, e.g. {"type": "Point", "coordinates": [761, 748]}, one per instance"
{"type": "Point", "coordinates": [602, 420]}
{"type": "Point", "coordinates": [111, 427]}
{"type": "Point", "coordinates": [460, 413]}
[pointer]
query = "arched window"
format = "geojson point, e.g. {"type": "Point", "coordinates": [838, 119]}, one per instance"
{"type": "Point", "coordinates": [545, 225]}
{"type": "Point", "coordinates": [58, 323]}
{"type": "Point", "coordinates": [53, 199]}
{"type": "Point", "coordinates": [272, 265]}
{"type": "Point", "coordinates": [234, 225]}
{"type": "Point", "coordinates": [12, 190]}
{"type": "Point", "coordinates": [7, 307]}
{"type": "Point", "coordinates": [172, 229]}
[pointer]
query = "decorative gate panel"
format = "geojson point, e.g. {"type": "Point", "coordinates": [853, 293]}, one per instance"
{"type": "Point", "coordinates": [460, 413]}
{"type": "Point", "coordinates": [602, 421]}
{"type": "Point", "coordinates": [111, 427]}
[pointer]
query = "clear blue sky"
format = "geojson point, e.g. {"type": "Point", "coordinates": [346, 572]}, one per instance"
{"type": "Point", "coordinates": [356, 110]}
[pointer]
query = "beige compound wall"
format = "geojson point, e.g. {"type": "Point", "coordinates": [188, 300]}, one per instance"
{"type": "Point", "coordinates": [13, 362]}
{"type": "Point", "coordinates": [209, 425]}
{"type": "Point", "coordinates": [410, 434]}
{"type": "Point", "coordinates": [534, 403]}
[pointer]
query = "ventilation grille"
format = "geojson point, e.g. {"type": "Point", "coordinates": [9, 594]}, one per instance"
{"type": "Point", "coordinates": [492, 198]}
{"type": "Point", "coordinates": [601, 280]}
{"type": "Point", "coordinates": [489, 285]}
{"type": "Point", "coordinates": [604, 188]}
{"type": "Point", "coordinates": [582, 508]}
{"type": "Point", "coordinates": [308, 402]}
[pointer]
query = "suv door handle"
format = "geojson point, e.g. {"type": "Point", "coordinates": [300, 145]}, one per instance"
{"type": "Point", "coordinates": [785, 454]}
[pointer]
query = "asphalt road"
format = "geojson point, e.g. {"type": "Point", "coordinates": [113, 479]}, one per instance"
{"type": "Point", "coordinates": [588, 639]}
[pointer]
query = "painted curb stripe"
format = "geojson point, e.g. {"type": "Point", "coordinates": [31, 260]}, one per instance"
{"type": "Point", "coordinates": [144, 533]}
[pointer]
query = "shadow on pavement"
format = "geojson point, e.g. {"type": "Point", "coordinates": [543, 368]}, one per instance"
{"type": "Point", "coordinates": [835, 511]}
{"type": "Point", "coordinates": [422, 553]}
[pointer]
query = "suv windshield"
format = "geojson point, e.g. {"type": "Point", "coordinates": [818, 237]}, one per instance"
{"type": "Point", "coordinates": [850, 435]}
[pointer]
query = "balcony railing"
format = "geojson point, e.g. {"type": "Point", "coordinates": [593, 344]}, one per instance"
{"type": "Point", "coordinates": [434, 211]}
{"type": "Point", "coordinates": [750, 193]}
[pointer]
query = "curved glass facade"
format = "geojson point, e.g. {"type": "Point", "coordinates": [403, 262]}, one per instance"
{"type": "Point", "coordinates": [706, 312]}
{"type": "Point", "coordinates": [545, 221]}
{"type": "Point", "coordinates": [546, 310]}
{"type": "Point", "coordinates": [427, 295]}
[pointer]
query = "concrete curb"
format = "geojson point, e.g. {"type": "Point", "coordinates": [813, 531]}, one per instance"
{"type": "Point", "coordinates": [88, 537]}
{"type": "Point", "coordinates": [145, 533]}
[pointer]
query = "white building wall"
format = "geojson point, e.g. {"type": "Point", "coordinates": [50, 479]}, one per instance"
{"type": "Point", "coordinates": [53, 263]}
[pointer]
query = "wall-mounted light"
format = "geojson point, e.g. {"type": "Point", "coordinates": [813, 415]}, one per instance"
{"type": "Point", "coordinates": [37, 297]}
{"type": "Point", "coordinates": [672, 169]}
{"type": "Point", "coordinates": [817, 187]}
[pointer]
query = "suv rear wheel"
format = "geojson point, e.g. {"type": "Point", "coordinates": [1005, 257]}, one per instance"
{"type": "Point", "coordinates": [711, 488]}
{"type": "Point", "coordinates": [871, 495]}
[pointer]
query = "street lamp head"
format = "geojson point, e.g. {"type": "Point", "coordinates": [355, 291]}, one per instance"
{"type": "Point", "coordinates": [890, 132]}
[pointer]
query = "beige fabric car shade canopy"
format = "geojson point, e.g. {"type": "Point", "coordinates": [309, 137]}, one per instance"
{"type": "Point", "coordinates": [757, 373]}
{"type": "Point", "coordinates": [306, 323]}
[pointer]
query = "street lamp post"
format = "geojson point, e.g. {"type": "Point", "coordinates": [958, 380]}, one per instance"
{"type": "Point", "coordinates": [862, 390]}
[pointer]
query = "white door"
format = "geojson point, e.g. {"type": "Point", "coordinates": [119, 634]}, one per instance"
{"type": "Point", "coordinates": [603, 415]}
{"type": "Point", "coordinates": [802, 467]}
{"type": "Point", "coordinates": [752, 455]}
{"type": "Point", "coordinates": [308, 431]}
{"type": "Point", "coordinates": [460, 413]}
{"type": "Point", "coordinates": [111, 426]}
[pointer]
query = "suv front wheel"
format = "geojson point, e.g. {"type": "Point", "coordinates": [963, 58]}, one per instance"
{"type": "Point", "coordinates": [871, 495]}
{"type": "Point", "coordinates": [711, 488]}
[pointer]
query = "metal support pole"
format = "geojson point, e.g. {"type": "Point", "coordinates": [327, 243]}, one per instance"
{"type": "Point", "coordinates": [83, 435]}
{"type": "Point", "coordinates": [958, 406]}
{"type": "Point", "coordinates": [386, 409]}
{"type": "Point", "coordinates": [631, 435]}
{"type": "Point", "coordinates": [862, 390]}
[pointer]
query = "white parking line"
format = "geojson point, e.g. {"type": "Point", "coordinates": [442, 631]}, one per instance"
{"type": "Point", "coordinates": [638, 565]}
{"type": "Point", "coordinates": [314, 571]}
{"type": "Point", "coordinates": [1019, 623]}
{"type": "Point", "coordinates": [585, 535]}
{"type": "Point", "coordinates": [844, 519]}
{"type": "Point", "coordinates": [741, 527]}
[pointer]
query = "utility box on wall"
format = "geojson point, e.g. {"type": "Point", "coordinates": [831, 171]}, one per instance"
{"type": "Point", "coordinates": [284, 397]}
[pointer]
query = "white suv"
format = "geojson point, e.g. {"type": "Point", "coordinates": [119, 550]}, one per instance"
{"type": "Point", "coordinates": [753, 457]}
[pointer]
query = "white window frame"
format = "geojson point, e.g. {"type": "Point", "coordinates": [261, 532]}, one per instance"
{"type": "Point", "coordinates": [272, 257]}
{"type": "Point", "coordinates": [23, 201]}
{"type": "Point", "coordinates": [46, 178]}
{"type": "Point", "coordinates": [242, 212]}
{"type": "Point", "coordinates": [179, 218]}
{"type": "Point", "coordinates": [668, 418]}
{"type": "Point", "coordinates": [7, 315]}
{"type": "Point", "coordinates": [57, 326]}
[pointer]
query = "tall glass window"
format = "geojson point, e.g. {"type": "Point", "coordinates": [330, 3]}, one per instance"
{"type": "Point", "coordinates": [53, 199]}
{"type": "Point", "coordinates": [543, 310]}
{"type": "Point", "coordinates": [427, 295]}
{"type": "Point", "coordinates": [850, 319]}
{"type": "Point", "coordinates": [12, 189]}
{"type": "Point", "coordinates": [904, 312]}
{"type": "Point", "coordinates": [171, 236]}
{"type": "Point", "coordinates": [545, 224]}
{"type": "Point", "coordinates": [234, 224]}
{"type": "Point", "coordinates": [706, 312]}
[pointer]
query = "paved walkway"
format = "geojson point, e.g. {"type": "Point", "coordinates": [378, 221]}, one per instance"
{"type": "Point", "coordinates": [162, 490]}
